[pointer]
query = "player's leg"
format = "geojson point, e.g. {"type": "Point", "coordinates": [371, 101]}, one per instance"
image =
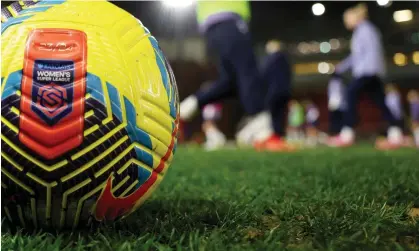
{"type": "Point", "coordinates": [277, 105]}
{"type": "Point", "coordinates": [339, 120]}
{"type": "Point", "coordinates": [346, 136]}
{"type": "Point", "coordinates": [249, 84]}
{"type": "Point", "coordinates": [278, 109]}
{"type": "Point", "coordinates": [335, 122]}
{"type": "Point", "coordinates": [222, 88]}
{"type": "Point", "coordinates": [351, 114]}
{"type": "Point", "coordinates": [375, 90]}
{"type": "Point", "coordinates": [250, 88]}
{"type": "Point", "coordinates": [214, 137]}
{"type": "Point", "coordinates": [413, 99]}
{"type": "Point", "coordinates": [415, 129]}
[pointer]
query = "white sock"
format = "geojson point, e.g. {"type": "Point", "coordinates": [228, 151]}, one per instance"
{"type": "Point", "coordinates": [347, 134]}
{"type": "Point", "coordinates": [395, 135]}
{"type": "Point", "coordinates": [213, 133]}
{"type": "Point", "coordinates": [263, 134]}
{"type": "Point", "coordinates": [416, 136]}
{"type": "Point", "coordinates": [188, 108]}
{"type": "Point", "coordinates": [214, 138]}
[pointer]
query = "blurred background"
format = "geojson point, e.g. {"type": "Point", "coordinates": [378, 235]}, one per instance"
{"type": "Point", "coordinates": [315, 37]}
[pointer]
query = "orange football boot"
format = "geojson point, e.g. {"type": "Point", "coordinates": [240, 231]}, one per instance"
{"type": "Point", "coordinates": [274, 144]}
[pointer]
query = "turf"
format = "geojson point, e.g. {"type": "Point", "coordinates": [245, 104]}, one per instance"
{"type": "Point", "coordinates": [322, 199]}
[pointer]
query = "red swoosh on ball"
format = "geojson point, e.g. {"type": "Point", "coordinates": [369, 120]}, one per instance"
{"type": "Point", "coordinates": [109, 207]}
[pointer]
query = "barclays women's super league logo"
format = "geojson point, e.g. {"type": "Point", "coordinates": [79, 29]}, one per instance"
{"type": "Point", "coordinates": [52, 89]}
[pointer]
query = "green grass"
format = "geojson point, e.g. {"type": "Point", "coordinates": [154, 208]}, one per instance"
{"type": "Point", "coordinates": [324, 199]}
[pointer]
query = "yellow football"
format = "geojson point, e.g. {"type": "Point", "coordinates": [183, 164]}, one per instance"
{"type": "Point", "coordinates": [89, 113]}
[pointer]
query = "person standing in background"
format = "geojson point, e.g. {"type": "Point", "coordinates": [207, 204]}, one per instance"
{"type": "Point", "coordinates": [295, 122]}
{"type": "Point", "coordinates": [276, 72]}
{"type": "Point", "coordinates": [224, 25]}
{"type": "Point", "coordinates": [413, 99]}
{"type": "Point", "coordinates": [312, 123]}
{"type": "Point", "coordinates": [336, 104]}
{"type": "Point", "coordinates": [367, 62]}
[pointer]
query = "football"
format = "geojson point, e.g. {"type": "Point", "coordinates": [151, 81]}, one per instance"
{"type": "Point", "coordinates": [89, 113]}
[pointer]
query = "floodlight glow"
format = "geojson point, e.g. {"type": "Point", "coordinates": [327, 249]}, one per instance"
{"type": "Point", "coordinates": [325, 47]}
{"type": "Point", "coordinates": [383, 3]}
{"type": "Point", "coordinates": [318, 9]}
{"type": "Point", "coordinates": [323, 68]}
{"type": "Point", "coordinates": [303, 48]}
{"type": "Point", "coordinates": [415, 57]}
{"type": "Point", "coordinates": [334, 43]}
{"type": "Point", "coordinates": [177, 3]}
{"type": "Point", "coordinates": [402, 16]}
{"type": "Point", "coordinates": [400, 59]}
{"type": "Point", "coordinates": [314, 47]}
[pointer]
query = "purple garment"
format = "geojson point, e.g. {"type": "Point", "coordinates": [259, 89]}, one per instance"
{"type": "Point", "coordinates": [336, 89]}
{"type": "Point", "coordinates": [217, 18]}
{"type": "Point", "coordinates": [414, 110]}
{"type": "Point", "coordinates": [367, 54]}
{"type": "Point", "coordinates": [394, 104]}
{"type": "Point", "coordinates": [312, 114]}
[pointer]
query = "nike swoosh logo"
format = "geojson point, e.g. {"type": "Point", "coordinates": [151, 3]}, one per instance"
{"type": "Point", "coordinates": [109, 207]}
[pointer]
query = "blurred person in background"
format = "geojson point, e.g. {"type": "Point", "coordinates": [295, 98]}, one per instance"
{"type": "Point", "coordinates": [367, 63]}
{"type": "Point", "coordinates": [214, 138]}
{"type": "Point", "coordinates": [336, 104]}
{"type": "Point", "coordinates": [394, 103]}
{"type": "Point", "coordinates": [312, 123]}
{"type": "Point", "coordinates": [413, 99]}
{"type": "Point", "coordinates": [224, 25]}
{"type": "Point", "coordinates": [211, 113]}
{"type": "Point", "coordinates": [295, 122]}
{"type": "Point", "coordinates": [276, 72]}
